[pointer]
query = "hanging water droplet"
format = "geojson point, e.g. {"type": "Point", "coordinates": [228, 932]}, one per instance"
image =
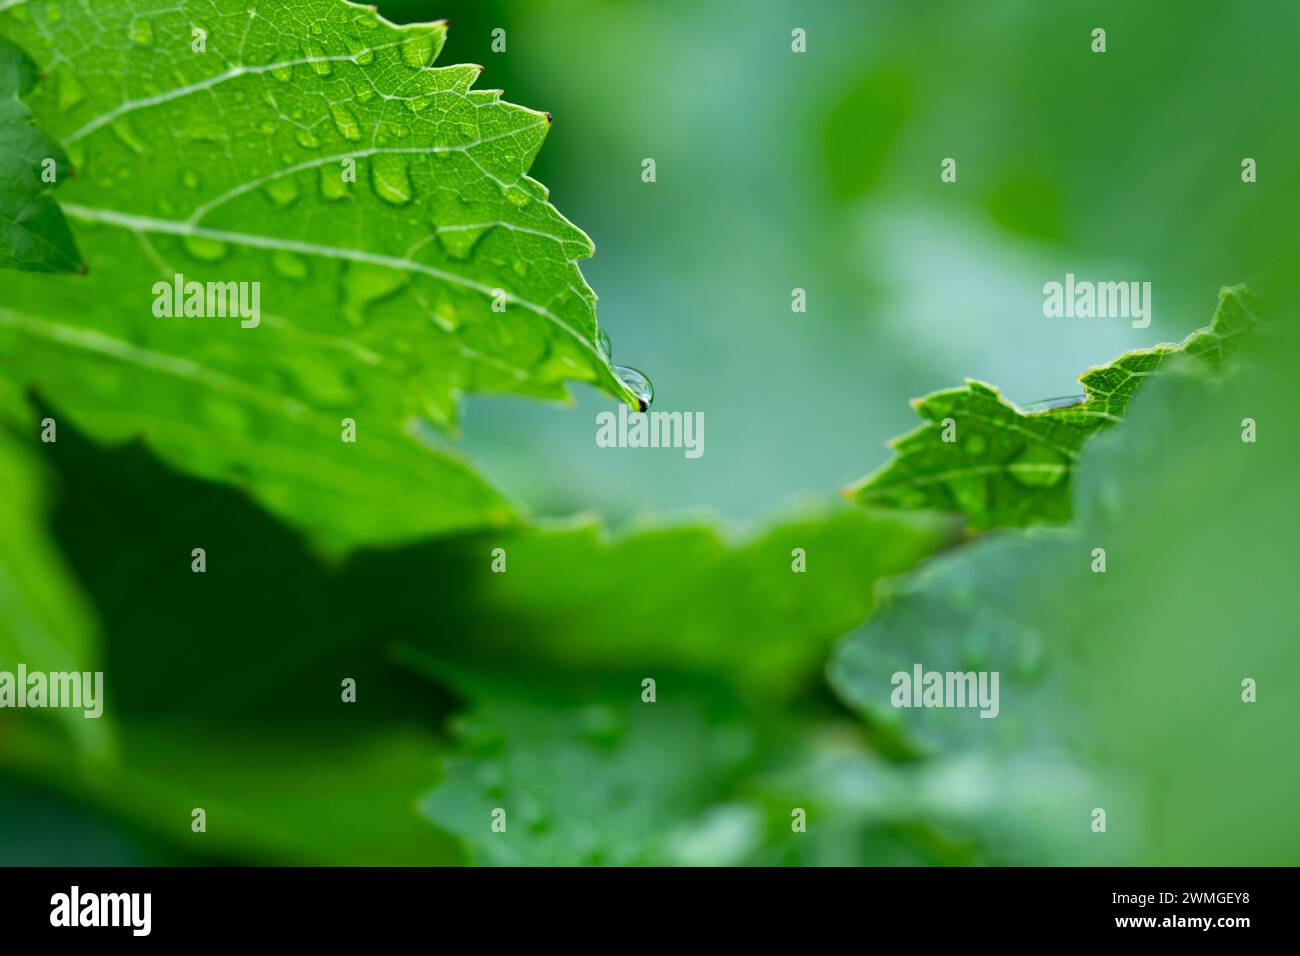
{"type": "Point", "coordinates": [637, 383]}
{"type": "Point", "coordinates": [603, 346]}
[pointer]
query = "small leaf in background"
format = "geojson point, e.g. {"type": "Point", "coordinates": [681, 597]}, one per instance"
{"type": "Point", "coordinates": [33, 233]}
{"type": "Point", "coordinates": [1131, 674]}
{"type": "Point", "coordinates": [1001, 466]}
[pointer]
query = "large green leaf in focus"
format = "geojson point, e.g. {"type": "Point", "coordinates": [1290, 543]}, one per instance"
{"type": "Point", "coordinates": [33, 232]}
{"type": "Point", "coordinates": [1007, 467]}
{"type": "Point", "coordinates": [215, 140]}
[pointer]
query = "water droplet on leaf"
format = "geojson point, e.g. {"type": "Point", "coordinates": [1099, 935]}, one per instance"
{"type": "Point", "coordinates": [282, 191]}
{"type": "Point", "coordinates": [201, 247]}
{"type": "Point", "coordinates": [637, 383]}
{"type": "Point", "coordinates": [345, 121]}
{"type": "Point", "coordinates": [391, 179]}
{"type": "Point", "coordinates": [289, 265]}
{"type": "Point", "coordinates": [417, 49]}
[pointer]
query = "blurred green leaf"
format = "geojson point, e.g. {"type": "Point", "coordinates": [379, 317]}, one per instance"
{"type": "Point", "coordinates": [1001, 466]}
{"type": "Point", "coordinates": [33, 233]}
{"type": "Point", "coordinates": [576, 599]}
{"type": "Point", "coordinates": [613, 782]}
{"type": "Point", "coordinates": [1133, 675]}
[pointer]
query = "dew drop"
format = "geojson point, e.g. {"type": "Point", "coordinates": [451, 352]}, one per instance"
{"type": "Point", "coordinates": [70, 91]}
{"type": "Point", "coordinates": [391, 179]}
{"type": "Point", "coordinates": [282, 72]}
{"type": "Point", "coordinates": [316, 55]}
{"type": "Point", "coordinates": [201, 247]}
{"type": "Point", "coordinates": [332, 185]}
{"type": "Point", "coordinates": [459, 244]}
{"type": "Point", "coordinates": [305, 139]}
{"type": "Point", "coordinates": [603, 346]}
{"type": "Point", "coordinates": [190, 178]}
{"type": "Point", "coordinates": [289, 265]}
{"type": "Point", "coordinates": [417, 50]}
{"type": "Point", "coordinates": [345, 121]}
{"type": "Point", "coordinates": [282, 191]}
{"type": "Point", "coordinates": [142, 32]}
{"type": "Point", "coordinates": [361, 54]}
{"type": "Point", "coordinates": [637, 383]}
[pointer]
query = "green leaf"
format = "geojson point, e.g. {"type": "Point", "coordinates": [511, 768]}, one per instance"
{"type": "Point", "coordinates": [682, 598]}
{"type": "Point", "coordinates": [215, 141]}
{"type": "Point", "coordinates": [1131, 671]}
{"type": "Point", "coordinates": [45, 620]}
{"type": "Point", "coordinates": [1003, 466]}
{"type": "Point", "coordinates": [33, 233]}
{"type": "Point", "coordinates": [609, 783]}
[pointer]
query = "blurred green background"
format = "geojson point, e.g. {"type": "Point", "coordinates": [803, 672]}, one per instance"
{"type": "Point", "coordinates": [775, 170]}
